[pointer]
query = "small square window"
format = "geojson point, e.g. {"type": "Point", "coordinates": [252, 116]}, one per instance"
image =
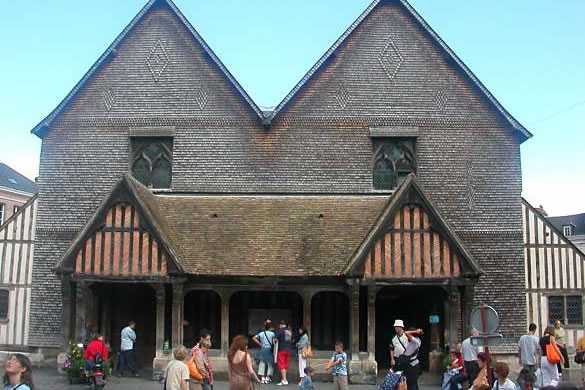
{"type": "Point", "coordinates": [3, 304]}
{"type": "Point", "coordinates": [567, 230]}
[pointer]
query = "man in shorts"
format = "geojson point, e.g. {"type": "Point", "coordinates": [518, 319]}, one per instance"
{"type": "Point", "coordinates": [284, 341]}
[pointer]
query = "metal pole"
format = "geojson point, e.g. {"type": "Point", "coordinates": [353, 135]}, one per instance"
{"type": "Point", "coordinates": [486, 343]}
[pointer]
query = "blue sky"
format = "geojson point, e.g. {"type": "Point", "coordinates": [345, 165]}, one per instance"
{"type": "Point", "coordinates": [530, 54]}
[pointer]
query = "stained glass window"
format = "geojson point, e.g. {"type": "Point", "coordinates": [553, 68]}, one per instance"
{"type": "Point", "coordinates": [152, 161]}
{"type": "Point", "coordinates": [394, 159]}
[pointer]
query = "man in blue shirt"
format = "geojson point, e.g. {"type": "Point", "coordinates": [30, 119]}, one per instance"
{"type": "Point", "coordinates": [127, 355]}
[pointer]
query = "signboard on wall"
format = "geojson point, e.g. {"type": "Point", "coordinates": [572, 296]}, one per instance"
{"type": "Point", "coordinates": [434, 319]}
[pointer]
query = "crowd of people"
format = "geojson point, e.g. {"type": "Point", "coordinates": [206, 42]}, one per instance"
{"type": "Point", "coordinates": [542, 360]}
{"type": "Point", "coordinates": [195, 372]}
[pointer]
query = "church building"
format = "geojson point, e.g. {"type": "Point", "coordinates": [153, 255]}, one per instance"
{"type": "Point", "coordinates": [385, 185]}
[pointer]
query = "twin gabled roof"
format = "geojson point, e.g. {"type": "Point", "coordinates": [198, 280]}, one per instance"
{"type": "Point", "coordinates": [266, 117]}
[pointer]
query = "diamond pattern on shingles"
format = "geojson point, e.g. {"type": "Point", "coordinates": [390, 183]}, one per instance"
{"type": "Point", "coordinates": [470, 195]}
{"type": "Point", "coordinates": [157, 60]}
{"type": "Point", "coordinates": [441, 98]}
{"type": "Point", "coordinates": [109, 99]}
{"type": "Point", "coordinates": [390, 59]}
{"type": "Point", "coordinates": [342, 96]}
{"type": "Point", "coordinates": [200, 97]}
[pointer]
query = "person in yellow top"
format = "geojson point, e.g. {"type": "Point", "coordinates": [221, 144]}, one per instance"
{"type": "Point", "coordinates": [580, 347]}
{"type": "Point", "coordinates": [562, 343]}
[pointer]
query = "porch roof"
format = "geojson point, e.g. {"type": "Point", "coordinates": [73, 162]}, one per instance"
{"type": "Point", "coordinates": [253, 235]}
{"type": "Point", "coordinates": [268, 235]}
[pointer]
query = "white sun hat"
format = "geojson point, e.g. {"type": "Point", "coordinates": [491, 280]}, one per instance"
{"type": "Point", "coordinates": [399, 323]}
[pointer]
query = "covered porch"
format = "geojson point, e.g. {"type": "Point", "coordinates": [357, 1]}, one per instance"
{"type": "Point", "coordinates": [344, 267]}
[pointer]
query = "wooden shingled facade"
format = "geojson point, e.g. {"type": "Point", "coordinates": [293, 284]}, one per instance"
{"type": "Point", "coordinates": [554, 267]}
{"type": "Point", "coordinates": [411, 248]}
{"type": "Point", "coordinates": [17, 236]}
{"type": "Point", "coordinates": [121, 246]}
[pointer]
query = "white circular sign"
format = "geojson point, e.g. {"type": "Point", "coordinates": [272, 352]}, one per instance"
{"type": "Point", "coordinates": [492, 320]}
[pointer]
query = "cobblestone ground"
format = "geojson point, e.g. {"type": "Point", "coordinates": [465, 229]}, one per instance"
{"type": "Point", "coordinates": [48, 379]}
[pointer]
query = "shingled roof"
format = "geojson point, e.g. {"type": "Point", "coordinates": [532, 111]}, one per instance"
{"type": "Point", "coordinates": [9, 178]}
{"type": "Point", "coordinates": [267, 116]}
{"type": "Point", "coordinates": [264, 235]}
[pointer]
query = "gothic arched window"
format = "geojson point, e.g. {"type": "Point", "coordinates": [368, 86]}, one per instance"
{"type": "Point", "coordinates": [152, 161]}
{"type": "Point", "coordinates": [394, 158]}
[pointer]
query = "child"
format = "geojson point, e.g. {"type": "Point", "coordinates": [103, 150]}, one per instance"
{"type": "Point", "coordinates": [307, 382]}
{"type": "Point", "coordinates": [338, 367]}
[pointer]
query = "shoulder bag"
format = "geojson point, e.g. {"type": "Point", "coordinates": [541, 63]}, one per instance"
{"type": "Point", "coordinates": [552, 354]}
{"type": "Point", "coordinates": [307, 352]}
{"type": "Point", "coordinates": [194, 372]}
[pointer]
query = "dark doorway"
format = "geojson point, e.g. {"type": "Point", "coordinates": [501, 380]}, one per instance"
{"type": "Point", "coordinates": [329, 320]}
{"type": "Point", "coordinates": [119, 303]}
{"type": "Point", "coordinates": [202, 308]}
{"type": "Point", "coordinates": [248, 310]}
{"type": "Point", "coordinates": [415, 306]}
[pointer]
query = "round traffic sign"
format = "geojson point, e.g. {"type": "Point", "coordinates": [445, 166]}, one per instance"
{"type": "Point", "coordinates": [492, 320]}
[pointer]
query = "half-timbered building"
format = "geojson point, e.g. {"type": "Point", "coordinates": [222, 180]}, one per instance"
{"type": "Point", "coordinates": [385, 185]}
{"type": "Point", "coordinates": [555, 275]}
{"type": "Point", "coordinates": [17, 237]}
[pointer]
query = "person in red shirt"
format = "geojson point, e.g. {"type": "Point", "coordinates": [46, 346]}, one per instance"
{"type": "Point", "coordinates": [97, 346]}
{"type": "Point", "coordinates": [455, 375]}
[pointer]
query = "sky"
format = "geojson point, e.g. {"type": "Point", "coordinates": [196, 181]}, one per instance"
{"type": "Point", "coordinates": [529, 53]}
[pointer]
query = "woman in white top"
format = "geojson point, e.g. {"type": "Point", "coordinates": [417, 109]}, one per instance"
{"type": "Point", "coordinates": [501, 370]}
{"type": "Point", "coordinates": [302, 344]}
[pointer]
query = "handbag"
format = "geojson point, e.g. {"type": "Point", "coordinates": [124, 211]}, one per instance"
{"type": "Point", "coordinates": [402, 384]}
{"type": "Point", "coordinates": [307, 352]}
{"type": "Point", "coordinates": [552, 354]}
{"type": "Point", "coordinates": [580, 357]}
{"type": "Point", "coordinates": [390, 381]}
{"type": "Point", "coordinates": [194, 372]}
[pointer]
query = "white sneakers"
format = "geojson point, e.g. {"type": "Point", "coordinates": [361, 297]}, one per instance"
{"type": "Point", "coordinates": [282, 383]}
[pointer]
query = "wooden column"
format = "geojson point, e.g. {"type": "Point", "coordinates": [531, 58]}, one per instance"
{"type": "Point", "coordinates": [177, 314]}
{"type": "Point", "coordinates": [66, 301]}
{"type": "Point", "coordinates": [467, 308]}
{"type": "Point", "coordinates": [372, 293]}
{"type": "Point", "coordinates": [80, 310]}
{"type": "Point", "coordinates": [93, 308]}
{"type": "Point", "coordinates": [452, 317]}
{"type": "Point", "coordinates": [225, 321]}
{"type": "Point", "coordinates": [159, 289]}
{"type": "Point", "coordinates": [106, 319]}
{"type": "Point", "coordinates": [307, 298]}
{"type": "Point", "coordinates": [354, 314]}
